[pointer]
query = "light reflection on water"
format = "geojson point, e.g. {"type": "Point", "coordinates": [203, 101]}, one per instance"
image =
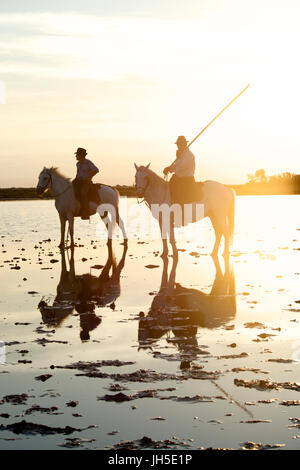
{"type": "Point", "coordinates": [187, 311]}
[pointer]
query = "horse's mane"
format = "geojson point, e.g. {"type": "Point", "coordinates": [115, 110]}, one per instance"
{"type": "Point", "coordinates": [154, 175]}
{"type": "Point", "coordinates": [56, 171]}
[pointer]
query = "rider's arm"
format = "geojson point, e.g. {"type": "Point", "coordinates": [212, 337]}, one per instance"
{"type": "Point", "coordinates": [93, 173]}
{"type": "Point", "coordinates": [170, 169]}
{"type": "Point", "coordinates": [186, 163]}
{"type": "Point", "coordinates": [93, 170]}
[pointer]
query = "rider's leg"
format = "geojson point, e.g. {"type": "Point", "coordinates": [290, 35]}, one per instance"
{"type": "Point", "coordinates": [84, 199]}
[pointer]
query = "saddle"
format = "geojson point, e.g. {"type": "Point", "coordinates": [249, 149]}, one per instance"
{"type": "Point", "coordinates": [197, 192]}
{"type": "Point", "coordinates": [92, 193]}
{"type": "Point", "coordinates": [185, 191]}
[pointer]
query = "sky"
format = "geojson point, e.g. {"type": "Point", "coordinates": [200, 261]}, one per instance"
{"type": "Point", "coordinates": [124, 78]}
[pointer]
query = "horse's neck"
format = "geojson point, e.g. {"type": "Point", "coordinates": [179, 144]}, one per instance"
{"type": "Point", "coordinates": [59, 183]}
{"type": "Point", "coordinates": [157, 191]}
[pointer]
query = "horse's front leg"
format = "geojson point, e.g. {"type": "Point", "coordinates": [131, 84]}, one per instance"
{"type": "Point", "coordinates": [164, 238]}
{"type": "Point", "coordinates": [173, 241]}
{"type": "Point", "coordinates": [165, 248]}
{"type": "Point", "coordinates": [63, 221]}
{"type": "Point", "coordinates": [71, 229]}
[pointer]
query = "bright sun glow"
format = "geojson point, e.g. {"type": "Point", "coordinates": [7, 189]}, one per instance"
{"type": "Point", "coordinates": [125, 87]}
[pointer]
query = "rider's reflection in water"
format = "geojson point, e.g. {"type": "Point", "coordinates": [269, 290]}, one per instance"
{"type": "Point", "coordinates": [84, 293]}
{"type": "Point", "coordinates": [183, 310]}
{"type": "Point", "coordinates": [88, 319]}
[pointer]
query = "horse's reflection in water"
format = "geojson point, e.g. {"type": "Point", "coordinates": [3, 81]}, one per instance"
{"type": "Point", "coordinates": [182, 310]}
{"type": "Point", "coordinates": [84, 293]}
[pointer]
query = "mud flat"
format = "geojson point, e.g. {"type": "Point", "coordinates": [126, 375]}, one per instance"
{"type": "Point", "coordinates": [120, 350]}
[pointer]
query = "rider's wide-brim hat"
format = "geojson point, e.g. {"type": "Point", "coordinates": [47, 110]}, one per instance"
{"type": "Point", "coordinates": [80, 151]}
{"type": "Point", "coordinates": [181, 138]}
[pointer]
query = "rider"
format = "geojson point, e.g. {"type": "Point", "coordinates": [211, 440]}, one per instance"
{"type": "Point", "coordinates": [182, 182]}
{"type": "Point", "coordinates": [85, 172]}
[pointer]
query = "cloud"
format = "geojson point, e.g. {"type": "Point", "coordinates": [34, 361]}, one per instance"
{"type": "Point", "coordinates": [109, 48]}
{"type": "Point", "coordinates": [121, 8]}
{"type": "Point", "coordinates": [2, 92]}
{"type": "Point", "coordinates": [135, 81]}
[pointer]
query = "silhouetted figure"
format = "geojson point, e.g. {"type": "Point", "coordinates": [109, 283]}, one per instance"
{"type": "Point", "coordinates": [183, 310]}
{"type": "Point", "coordinates": [88, 319]}
{"type": "Point", "coordinates": [182, 182]}
{"type": "Point", "coordinates": [85, 172]}
{"type": "Point", "coordinates": [84, 293]}
{"type": "Point", "coordinates": [67, 289]}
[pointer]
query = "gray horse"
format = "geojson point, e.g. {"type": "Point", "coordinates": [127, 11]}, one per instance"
{"type": "Point", "coordinates": [68, 206]}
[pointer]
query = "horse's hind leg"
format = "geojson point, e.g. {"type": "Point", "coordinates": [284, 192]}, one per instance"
{"type": "Point", "coordinates": [110, 225]}
{"type": "Point", "coordinates": [63, 221]}
{"type": "Point", "coordinates": [122, 226]}
{"type": "Point", "coordinates": [218, 234]}
{"type": "Point", "coordinates": [172, 240]}
{"type": "Point", "coordinates": [108, 217]}
{"type": "Point", "coordinates": [226, 239]}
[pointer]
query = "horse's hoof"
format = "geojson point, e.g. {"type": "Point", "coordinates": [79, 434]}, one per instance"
{"type": "Point", "coordinates": [164, 254]}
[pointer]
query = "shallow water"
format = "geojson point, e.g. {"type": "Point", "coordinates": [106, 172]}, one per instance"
{"type": "Point", "coordinates": [189, 339]}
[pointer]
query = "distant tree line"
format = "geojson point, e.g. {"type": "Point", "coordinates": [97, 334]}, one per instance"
{"type": "Point", "coordinates": [30, 193]}
{"type": "Point", "coordinates": [260, 183]}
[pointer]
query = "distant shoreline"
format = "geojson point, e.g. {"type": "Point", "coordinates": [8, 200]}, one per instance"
{"type": "Point", "coordinates": [247, 189]}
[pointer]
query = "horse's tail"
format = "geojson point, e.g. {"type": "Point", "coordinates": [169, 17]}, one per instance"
{"type": "Point", "coordinates": [231, 216]}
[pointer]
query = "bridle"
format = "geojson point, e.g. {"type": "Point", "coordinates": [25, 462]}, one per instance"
{"type": "Point", "coordinates": [144, 190]}
{"type": "Point", "coordinates": [50, 183]}
{"type": "Point", "coordinates": [166, 178]}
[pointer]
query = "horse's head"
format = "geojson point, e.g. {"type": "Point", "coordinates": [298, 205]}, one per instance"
{"type": "Point", "coordinates": [141, 179]}
{"type": "Point", "coordinates": [44, 181]}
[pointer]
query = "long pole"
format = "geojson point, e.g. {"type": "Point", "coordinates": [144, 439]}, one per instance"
{"type": "Point", "coordinates": [218, 115]}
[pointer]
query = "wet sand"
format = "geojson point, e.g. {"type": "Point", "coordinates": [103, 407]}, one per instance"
{"type": "Point", "coordinates": [112, 350]}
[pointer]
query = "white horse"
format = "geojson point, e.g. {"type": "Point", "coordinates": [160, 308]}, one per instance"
{"type": "Point", "coordinates": [218, 201]}
{"type": "Point", "coordinates": [68, 207]}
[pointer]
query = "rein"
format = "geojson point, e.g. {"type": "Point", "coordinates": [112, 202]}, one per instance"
{"type": "Point", "coordinates": [144, 200]}
{"type": "Point", "coordinates": [166, 178]}
{"type": "Point", "coordinates": [141, 202]}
